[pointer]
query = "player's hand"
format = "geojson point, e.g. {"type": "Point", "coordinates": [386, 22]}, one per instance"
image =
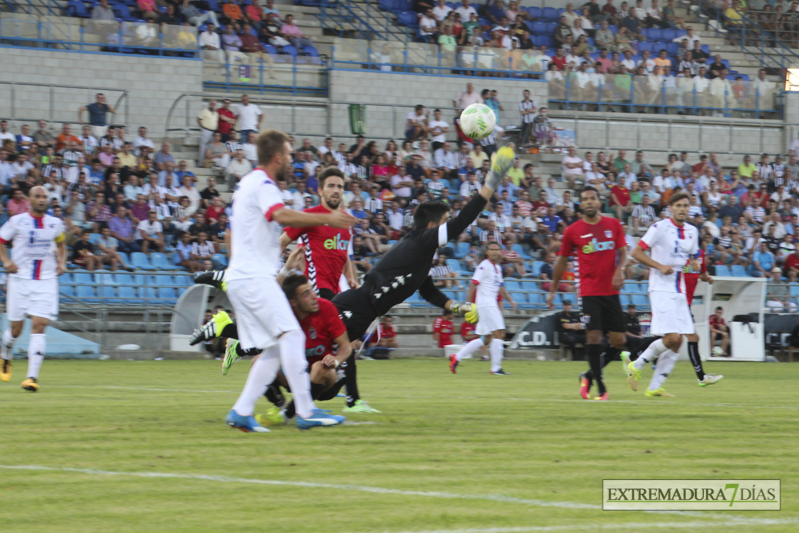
{"type": "Point", "coordinates": [694, 264]}
{"type": "Point", "coordinates": [710, 279]}
{"type": "Point", "coordinates": [61, 269]}
{"type": "Point", "coordinates": [618, 280]}
{"type": "Point", "coordinates": [666, 270]}
{"type": "Point", "coordinates": [341, 219]}
{"type": "Point", "coordinates": [329, 361]}
{"type": "Point", "coordinates": [551, 300]}
{"type": "Point", "coordinates": [10, 266]}
{"type": "Point", "coordinates": [515, 307]}
{"type": "Point", "coordinates": [295, 258]}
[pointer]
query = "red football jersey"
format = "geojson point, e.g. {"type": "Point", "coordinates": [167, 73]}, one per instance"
{"type": "Point", "coordinates": [692, 278]}
{"type": "Point", "coordinates": [444, 328]}
{"type": "Point", "coordinates": [325, 251]}
{"type": "Point", "coordinates": [321, 330]}
{"type": "Point", "coordinates": [467, 329]}
{"type": "Point", "coordinates": [384, 333]}
{"type": "Point", "coordinates": [593, 247]}
{"type": "Point", "coordinates": [716, 322]}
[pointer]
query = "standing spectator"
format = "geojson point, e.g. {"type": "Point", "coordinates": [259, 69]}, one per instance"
{"type": "Point", "coordinates": [572, 167]}
{"type": "Point", "coordinates": [527, 109]}
{"type": "Point", "coordinates": [98, 112]}
{"type": "Point", "coordinates": [443, 327]}
{"type": "Point", "coordinates": [208, 120]}
{"type": "Point", "coordinates": [249, 117]}
{"type": "Point", "coordinates": [469, 97]}
{"type": "Point", "coordinates": [438, 129]}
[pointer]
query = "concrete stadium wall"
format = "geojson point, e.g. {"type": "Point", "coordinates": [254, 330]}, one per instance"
{"type": "Point", "coordinates": [153, 84]}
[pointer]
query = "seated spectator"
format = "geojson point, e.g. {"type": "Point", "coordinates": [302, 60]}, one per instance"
{"type": "Point", "coordinates": [442, 274]}
{"type": "Point", "coordinates": [512, 262]}
{"type": "Point", "coordinates": [237, 169]}
{"type": "Point", "coordinates": [294, 34]}
{"type": "Point", "coordinates": [107, 246]}
{"type": "Point", "coordinates": [147, 33]}
{"type": "Point", "coordinates": [643, 216]}
{"type": "Point", "coordinates": [148, 9]}
{"type": "Point", "coordinates": [763, 262]}
{"type": "Point", "coordinates": [719, 330]}
{"type": "Point", "coordinates": [202, 249]}
{"type": "Point", "coordinates": [217, 232]}
{"type": "Point", "coordinates": [251, 46]}
{"type": "Point", "coordinates": [571, 330]}
{"type": "Point", "coordinates": [150, 233]}
{"type": "Point", "coordinates": [183, 254]}
{"type": "Point", "coordinates": [620, 201]}
{"type": "Point", "coordinates": [122, 230]}
{"type": "Point", "coordinates": [18, 203]}
{"type": "Point", "coordinates": [546, 274]}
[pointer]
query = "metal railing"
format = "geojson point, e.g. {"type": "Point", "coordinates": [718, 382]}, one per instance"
{"type": "Point", "coordinates": [87, 35]}
{"type": "Point", "coordinates": [664, 94]}
{"type": "Point", "coordinates": [284, 74]}
{"type": "Point", "coordinates": [14, 98]}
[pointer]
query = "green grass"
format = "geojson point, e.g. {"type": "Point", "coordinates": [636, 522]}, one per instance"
{"type": "Point", "coordinates": [499, 447]}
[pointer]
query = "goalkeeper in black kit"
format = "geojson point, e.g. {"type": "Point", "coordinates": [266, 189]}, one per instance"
{"type": "Point", "coordinates": [403, 270]}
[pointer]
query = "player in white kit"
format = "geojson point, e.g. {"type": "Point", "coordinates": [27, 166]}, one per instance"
{"type": "Point", "coordinates": [266, 321]}
{"type": "Point", "coordinates": [40, 256]}
{"type": "Point", "coordinates": [672, 243]}
{"type": "Point", "coordinates": [488, 284]}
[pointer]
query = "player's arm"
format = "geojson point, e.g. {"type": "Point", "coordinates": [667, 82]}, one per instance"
{"type": "Point", "coordinates": [292, 263]}
{"type": "Point", "coordinates": [300, 219]}
{"type": "Point", "coordinates": [61, 254]}
{"type": "Point", "coordinates": [504, 293]}
{"type": "Point", "coordinates": [342, 354]}
{"type": "Point", "coordinates": [640, 255]}
{"type": "Point", "coordinates": [6, 235]}
{"type": "Point", "coordinates": [557, 273]}
{"type": "Point", "coordinates": [350, 274]}
{"type": "Point", "coordinates": [284, 241]}
{"type": "Point", "coordinates": [618, 274]}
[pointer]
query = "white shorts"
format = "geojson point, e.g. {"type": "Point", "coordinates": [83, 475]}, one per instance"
{"type": "Point", "coordinates": [32, 297]}
{"type": "Point", "coordinates": [670, 313]}
{"type": "Point", "coordinates": [489, 320]}
{"type": "Point", "coordinates": [262, 311]}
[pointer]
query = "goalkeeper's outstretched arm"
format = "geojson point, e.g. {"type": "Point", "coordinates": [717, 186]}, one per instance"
{"type": "Point", "coordinates": [430, 293]}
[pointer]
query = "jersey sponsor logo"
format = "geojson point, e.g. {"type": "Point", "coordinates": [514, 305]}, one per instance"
{"type": "Point", "coordinates": [596, 246]}
{"type": "Point", "coordinates": [336, 243]}
{"type": "Point", "coordinates": [316, 351]}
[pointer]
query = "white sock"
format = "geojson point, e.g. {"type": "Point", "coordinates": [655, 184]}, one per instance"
{"type": "Point", "coordinates": [262, 373]}
{"type": "Point", "coordinates": [470, 348]}
{"type": "Point", "coordinates": [666, 364]}
{"type": "Point", "coordinates": [497, 350]}
{"type": "Point", "coordinates": [294, 363]}
{"type": "Point", "coordinates": [7, 344]}
{"type": "Point", "coordinates": [652, 351]}
{"type": "Point", "coordinates": [36, 350]}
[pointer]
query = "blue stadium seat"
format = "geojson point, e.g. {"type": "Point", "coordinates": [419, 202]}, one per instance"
{"type": "Point", "coordinates": [83, 278]}
{"type": "Point", "coordinates": [124, 279]}
{"type": "Point", "coordinates": [668, 35]}
{"type": "Point", "coordinates": [94, 238]}
{"type": "Point", "coordinates": [107, 294]}
{"type": "Point", "coordinates": [644, 45]}
{"type": "Point", "coordinates": [167, 294]}
{"type": "Point", "coordinates": [183, 281]}
{"type": "Point", "coordinates": [520, 250]}
{"type": "Point", "coordinates": [123, 12]}
{"type": "Point", "coordinates": [140, 261]}
{"type": "Point", "coordinates": [513, 285]}
{"type": "Point", "coordinates": [671, 48]}
{"type": "Point", "coordinates": [160, 261]}
{"type": "Point", "coordinates": [640, 301]}
{"type": "Point", "coordinates": [539, 28]}
{"type": "Point", "coordinates": [624, 300]}
{"type": "Point", "coordinates": [66, 277]}
{"type": "Point", "coordinates": [222, 258]}
{"type": "Point", "coordinates": [86, 294]}
{"type": "Point", "coordinates": [407, 18]}
{"type": "Point", "coordinates": [387, 5]}
{"type": "Point", "coordinates": [550, 14]}
{"type": "Point", "coordinates": [105, 278]}
{"type": "Point", "coordinates": [402, 5]}
{"type": "Point", "coordinates": [529, 286]}
{"type": "Point", "coordinates": [162, 281]}
{"type": "Point", "coordinates": [654, 34]}
{"type": "Point", "coordinates": [128, 296]}
{"type": "Point", "coordinates": [147, 295]}
{"type": "Point", "coordinates": [454, 265]}
{"type": "Point", "coordinates": [794, 288]}
{"type": "Point", "coordinates": [529, 302]}
{"type": "Point", "coordinates": [739, 271]}
{"type": "Point", "coordinates": [76, 8]}
{"type": "Point", "coordinates": [723, 270]}
{"type": "Point", "coordinates": [535, 12]}
{"type": "Point", "coordinates": [461, 250]}
{"type": "Point", "coordinates": [66, 290]}
{"type": "Point", "coordinates": [537, 268]}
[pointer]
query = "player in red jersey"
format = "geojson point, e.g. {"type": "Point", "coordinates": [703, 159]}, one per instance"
{"type": "Point", "coordinates": [326, 248]}
{"type": "Point", "coordinates": [323, 330]}
{"type": "Point", "coordinates": [443, 329]}
{"type": "Point", "coordinates": [691, 278]}
{"type": "Point", "coordinates": [468, 334]}
{"type": "Point", "coordinates": [600, 250]}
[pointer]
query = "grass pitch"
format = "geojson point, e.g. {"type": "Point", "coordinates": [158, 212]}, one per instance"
{"type": "Point", "coordinates": [142, 446]}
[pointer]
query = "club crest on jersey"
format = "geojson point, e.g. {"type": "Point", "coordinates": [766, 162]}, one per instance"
{"type": "Point", "coordinates": [608, 233]}
{"type": "Point", "coordinates": [596, 246]}
{"type": "Point", "coordinates": [312, 333]}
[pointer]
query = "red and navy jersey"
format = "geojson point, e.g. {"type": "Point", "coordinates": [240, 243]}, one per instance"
{"type": "Point", "coordinates": [325, 251]}
{"type": "Point", "coordinates": [467, 329]}
{"type": "Point", "coordinates": [444, 328]}
{"type": "Point", "coordinates": [593, 246]}
{"type": "Point", "coordinates": [691, 277]}
{"type": "Point", "coordinates": [321, 330]}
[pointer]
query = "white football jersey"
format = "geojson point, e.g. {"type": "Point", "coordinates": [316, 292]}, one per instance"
{"type": "Point", "coordinates": [33, 244]}
{"type": "Point", "coordinates": [255, 239]}
{"type": "Point", "coordinates": [489, 281]}
{"type": "Point", "coordinates": [669, 244]}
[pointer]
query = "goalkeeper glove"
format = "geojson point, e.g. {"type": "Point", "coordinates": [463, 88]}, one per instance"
{"type": "Point", "coordinates": [466, 310]}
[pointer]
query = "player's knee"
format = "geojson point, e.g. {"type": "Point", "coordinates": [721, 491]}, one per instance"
{"type": "Point", "coordinates": [673, 341]}
{"type": "Point", "coordinates": [593, 336]}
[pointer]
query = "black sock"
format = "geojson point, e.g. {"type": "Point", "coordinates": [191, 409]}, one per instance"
{"type": "Point", "coordinates": [275, 395]}
{"type": "Point", "coordinates": [316, 390]}
{"type": "Point", "coordinates": [246, 353]}
{"type": "Point", "coordinates": [230, 331]}
{"type": "Point", "coordinates": [594, 354]}
{"type": "Point", "coordinates": [611, 354]}
{"type": "Point", "coordinates": [693, 354]}
{"type": "Point", "coordinates": [351, 380]}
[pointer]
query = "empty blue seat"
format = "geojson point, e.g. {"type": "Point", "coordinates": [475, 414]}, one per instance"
{"type": "Point", "coordinates": [539, 28]}
{"type": "Point", "coordinates": [86, 294]}
{"type": "Point", "coordinates": [66, 290]}
{"type": "Point", "coordinates": [739, 271]}
{"type": "Point", "coordinates": [83, 278]}
{"type": "Point", "coordinates": [668, 35]}
{"type": "Point", "coordinates": [105, 278]}
{"type": "Point", "coordinates": [162, 281]}
{"type": "Point", "coordinates": [513, 285]}
{"type": "Point", "coordinates": [640, 301]}
{"type": "Point", "coordinates": [66, 277]}
{"type": "Point", "coordinates": [520, 250]}
{"type": "Point", "coordinates": [550, 14]}
{"type": "Point", "coordinates": [222, 258]}
{"type": "Point", "coordinates": [128, 296]}
{"type": "Point", "coordinates": [147, 295]}
{"type": "Point", "coordinates": [184, 281]}
{"type": "Point", "coordinates": [124, 279]}
{"type": "Point", "coordinates": [722, 270]}
{"type": "Point", "coordinates": [454, 265]}
{"type": "Point", "coordinates": [537, 267]}
{"type": "Point", "coordinates": [654, 34]}
{"type": "Point", "coordinates": [529, 286]}
{"type": "Point", "coordinates": [407, 18]}
{"type": "Point", "coordinates": [387, 5]}
{"type": "Point", "coordinates": [76, 8]}
{"type": "Point", "coordinates": [168, 295]}
{"type": "Point", "coordinates": [107, 294]}
{"type": "Point", "coordinates": [535, 12]}
{"type": "Point", "coordinates": [794, 289]}
{"type": "Point", "coordinates": [461, 250]}
{"type": "Point", "coordinates": [160, 261]}
{"type": "Point", "coordinates": [624, 300]}
{"type": "Point", "coordinates": [140, 261]}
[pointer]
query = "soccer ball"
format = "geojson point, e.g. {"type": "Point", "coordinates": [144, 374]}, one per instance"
{"type": "Point", "coordinates": [478, 121]}
{"type": "Point", "coordinates": [717, 351]}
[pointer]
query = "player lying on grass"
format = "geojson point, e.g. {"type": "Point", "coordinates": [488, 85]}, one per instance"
{"type": "Point", "coordinates": [404, 269]}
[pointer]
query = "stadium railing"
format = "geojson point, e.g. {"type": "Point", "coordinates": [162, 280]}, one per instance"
{"type": "Point", "coordinates": [433, 59]}
{"type": "Point", "coordinates": [86, 35]}
{"type": "Point", "coordinates": [295, 75]}
{"type": "Point", "coordinates": [640, 94]}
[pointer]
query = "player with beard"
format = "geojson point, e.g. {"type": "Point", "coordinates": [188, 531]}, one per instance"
{"type": "Point", "coordinates": [599, 248]}
{"type": "Point", "coordinates": [405, 268]}
{"type": "Point", "coordinates": [672, 244]}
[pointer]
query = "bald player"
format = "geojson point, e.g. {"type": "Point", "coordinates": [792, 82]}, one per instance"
{"type": "Point", "coordinates": [40, 256]}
